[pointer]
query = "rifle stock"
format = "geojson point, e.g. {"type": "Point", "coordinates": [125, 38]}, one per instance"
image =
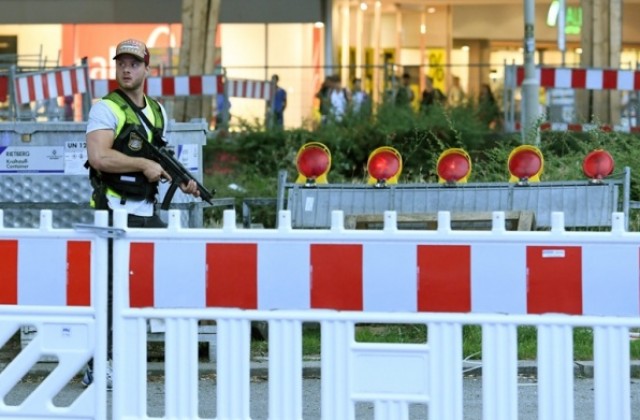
{"type": "Point", "coordinates": [179, 174]}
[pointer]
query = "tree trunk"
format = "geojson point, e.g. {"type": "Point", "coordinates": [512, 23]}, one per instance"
{"type": "Point", "coordinates": [601, 45]}
{"type": "Point", "coordinates": [197, 53]}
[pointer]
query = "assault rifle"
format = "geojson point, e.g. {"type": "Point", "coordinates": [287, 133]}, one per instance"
{"type": "Point", "coordinates": [179, 174]}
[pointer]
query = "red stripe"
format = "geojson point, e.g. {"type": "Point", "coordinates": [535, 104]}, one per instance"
{"type": "Point", "coordinates": [636, 80]}
{"type": "Point", "coordinates": [195, 85]}
{"type": "Point", "coordinates": [578, 78]}
{"type": "Point", "coordinates": [141, 263]}
{"type": "Point", "coordinates": [554, 279]}
{"type": "Point", "coordinates": [168, 86]}
{"type": "Point", "coordinates": [519, 76]}
{"type": "Point", "coordinates": [547, 77]}
{"type": "Point", "coordinates": [9, 272]}
{"type": "Point", "coordinates": [574, 127]}
{"type": "Point", "coordinates": [79, 273]}
{"type": "Point", "coordinates": [4, 88]}
{"type": "Point", "coordinates": [444, 278]}
{"type": "Point", "coordinates": [610, 79]}
{"type": "Point", "coordinates": [46, 93]}
{"type": "Point", "coordinates": [31, 88]}
{"type": "Point", "coordinates": [336, 277]}
{"type": "Point", "coordinates": [232, 275]}
{"type": "Point", "coordinates": [75, 75]}
{"type": "Point", "coordinates": [545, 126]}
{"type": "Point", "coordinates": [60, 82]}
{"type": "Point", "coordinates": [220, 84]}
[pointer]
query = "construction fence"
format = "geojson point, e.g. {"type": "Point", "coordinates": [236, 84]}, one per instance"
{"type": "Point", "coordinates": [53, 94]}
{"type": "Point", "coordinates": [554, 281]}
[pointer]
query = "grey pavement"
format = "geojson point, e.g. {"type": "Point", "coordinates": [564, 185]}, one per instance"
{"type": "Point", "coordinates": [259, 407]}
{"type": "Point", "coordinates": [311, 368]}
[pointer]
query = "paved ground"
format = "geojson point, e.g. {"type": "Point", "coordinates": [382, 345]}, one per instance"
{"type": "Point", "coordinates": [527, 390]}
{"type": "Point", "coordinates": [472, 410]}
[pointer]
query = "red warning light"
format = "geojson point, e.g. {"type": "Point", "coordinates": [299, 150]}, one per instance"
{"type": "Point", "coordinates": [525, 163]}
{"type": "Point", "coordinates": [454, 165]}
{"type": "Point", "coordinates": [384, 165]}
{"type": "Point", "coordinates": [598, 164]}
{"type": "Point", "coordinates": [313, 162]}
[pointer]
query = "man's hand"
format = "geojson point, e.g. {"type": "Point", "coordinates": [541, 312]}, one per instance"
{"type": "Point", "coordinates": [190, 188]}
{"type": "Point", "coordinates": [154, 172]}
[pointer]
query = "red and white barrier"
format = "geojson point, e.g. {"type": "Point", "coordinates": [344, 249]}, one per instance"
{"type": "Point", "coordinates": [341, 278]}
{"type": "Point", "coordinates": [194, 86]}
{"type": "Point", "coordinates": [580, 78]}
{"type": "Point", "coordinates": [431, 273]}
{"type": "Point", "coordinates": [252, 89]}
{"type": "Point", "coordinates": [54, 282]}
{"type": "Point", "coordinates": [30, 87]}
{"type": "Point", "coordinates": [169, 86]}
{"type": "Point", "coordinates": [579, 128]}
{"type": "Point", "coordinates": [64, 281]}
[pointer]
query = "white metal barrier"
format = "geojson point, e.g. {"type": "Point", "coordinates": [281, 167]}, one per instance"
{"type": "Point", "coordinates": [55, 280]}
{"type": "Point", "coordinates": [344, 277]}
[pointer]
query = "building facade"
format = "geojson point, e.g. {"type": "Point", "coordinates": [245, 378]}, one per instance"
{"type": "Point", "coordinates": [304, 41]}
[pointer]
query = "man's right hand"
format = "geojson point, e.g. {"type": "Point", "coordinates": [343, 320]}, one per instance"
{"type": "Point", "coordinates": [154, 172]}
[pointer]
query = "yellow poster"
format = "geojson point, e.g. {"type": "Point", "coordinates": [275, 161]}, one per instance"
{"type": "Point", "coordinates": [436, 60]}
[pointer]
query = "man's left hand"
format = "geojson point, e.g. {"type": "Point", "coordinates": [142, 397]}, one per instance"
{"type": "Point", "coordinates": [190, 188]}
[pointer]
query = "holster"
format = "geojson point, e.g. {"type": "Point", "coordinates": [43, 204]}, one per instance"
{"type": "Point", "coordinates": [99, 196]}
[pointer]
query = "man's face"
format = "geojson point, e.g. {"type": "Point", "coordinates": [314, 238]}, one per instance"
{"type": "Point", "coordinates": [130, 72]}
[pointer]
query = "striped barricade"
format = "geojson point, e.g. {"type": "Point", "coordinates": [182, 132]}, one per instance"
{"type": "Point", "coordinates": [170, 86]}
{"type": "Point", "coordinates": [573, 78]}
{"type": "Point", "coordinates": [54, 280]}
{"type": "Point", "coordinates": [583, 128]}
{"type": "Point", "coordinates": [49, 85]}
{"type": "Point", "coordinates": [339, 278]}
{"type": "Point", "coordinates": [577, 78]}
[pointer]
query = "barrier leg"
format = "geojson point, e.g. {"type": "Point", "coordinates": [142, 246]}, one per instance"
{"type": "Point", "coordinates": [285, 369]}
{"type": "Point", "coordinates": [234, 355]}
{"type": "Point", "coordinates": [612, 373]}
{"type": "Point", "coordinates": [181, 368]}
{"type": "Point", "coordinates": [555, 372]}
{"type": "Point", "coordinates": [445, 378]}
{"type": "Point", "coordinates": [499, 372]}
{"type": "Point", "coordinates": [336, 378]}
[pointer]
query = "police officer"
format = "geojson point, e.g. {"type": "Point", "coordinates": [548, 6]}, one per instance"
{"type": "Point", "coordinates": [122, 175]}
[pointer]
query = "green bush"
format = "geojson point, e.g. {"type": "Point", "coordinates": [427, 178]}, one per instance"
{"type": "Point", "coordinates": [252, 157]}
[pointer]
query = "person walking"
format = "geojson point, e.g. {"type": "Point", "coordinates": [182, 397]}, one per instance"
{"type": "Point", "coordinates": [120, 169]}
{"type": "Point", "coordinates": [456, 96]}
{"type": "Point", "coordinates": [488, 109]}
{"type": "Point", "coordinates": [431, 96]}
{"type": "Point", "coordinates": [404, 94]}
{"type": "Point", "coordinates": [279, 103]}
{"type": "Point", "coordinates": [360, 100]}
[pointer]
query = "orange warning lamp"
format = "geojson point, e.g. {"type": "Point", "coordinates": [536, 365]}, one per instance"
{"type": "Point", "coordinates": [313, 162]}
{"type": "Point", "coordinates": [598, 165]}
{"type": "Point", "coordinates": [525, 164]}
{"type": "Point", "coordinates": [384, 166]}
{"type": "Point", "coordinates": [454, 166]}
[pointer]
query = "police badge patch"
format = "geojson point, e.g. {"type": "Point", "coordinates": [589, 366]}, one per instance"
{"type": "Point", "coordinates": [135, 142]}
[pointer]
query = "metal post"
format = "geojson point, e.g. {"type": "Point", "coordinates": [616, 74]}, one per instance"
{"type": "Point", "coordinates": [328, 36]}
{"type": "Point", "coordinates": [530, 85]}
{"type": "Point", "coordinates": [562, 44]}
{"type": "Point", "coordinates": [88, 95]}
